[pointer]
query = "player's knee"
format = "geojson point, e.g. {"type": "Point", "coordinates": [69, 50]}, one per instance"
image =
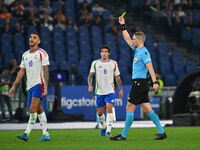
{"type": "Point", "coordinates": [33, 109]}
{"type": "Point", "coordinates": [109, 110]}
{"type": "Point", "coordinates": [100, 114]}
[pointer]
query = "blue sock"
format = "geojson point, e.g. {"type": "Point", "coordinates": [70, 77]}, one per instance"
{"type": "Point", "coordinates": [154, 117]}
{"type": "Point", "coordinates": [128, 123]}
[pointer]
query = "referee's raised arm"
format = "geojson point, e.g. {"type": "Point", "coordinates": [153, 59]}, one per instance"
{"type": "Point", "coordinates": [125, 33]}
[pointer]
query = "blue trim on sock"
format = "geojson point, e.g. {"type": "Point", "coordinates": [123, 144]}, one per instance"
{"type": "Point", "coordinates": [128, 123]}
{"type": "Point", "coordinates": [154, 117]}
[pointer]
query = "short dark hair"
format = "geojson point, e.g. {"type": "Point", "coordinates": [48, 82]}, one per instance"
{"type": "Point", "coordinates": [106, 47]}
{"type": "Point", "coordinates": [38, 34]}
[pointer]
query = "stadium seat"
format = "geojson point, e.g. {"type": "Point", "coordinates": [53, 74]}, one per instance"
{"type": "Point", "coordinates": [190, 66]}
{"type": "Point", "coordinates": [95, 30]}
{"type": "Point", "coordinates": [13, 22]}
{"type": "Point", "coordinates": [59, 57]}
{"type": "Point", "coordinates": [106, 14]}
{"type": "Point", "coordinates": [64, 65]}
{"type": "Point", "coordinates": [19, 47]}
{"type": "Point", "coordinates": [18, 38]}
{"type": "Point", "coordinates": [57, 30]}
{"type": "Point", "coordinates": [8, 57]}
{"type": "Point", "coordinates": [107, 29]}
{"type": "Point", "coordinates": [59, 48]}
{"type": "Point", "coordinates": [52, 66]}
{"type": "Point", "coordinates": [196, 38]}
{"type": "Point", "coordinates": [45, 31]}
{"type": "Point", "coordinates": [83, 68]}
{"type": "Point", "coordinates": [5, 38]}
{"type": "Point", "coordinates": [126, 79]}
{"type": "Point", "coordinates": [186, 36]}
{"type": "Point", "coordinates": [56, 5]}
{"type": "Point", "coordinates": [2, 24]}
{"type": "Point", "coordinates": [1, 62]}
{"type": "Point", "coordinates": [178, 65]}
{"type": "Point", "coordinates": [95, 13]}
{"type": "Point", "coordinates": [169, 78]}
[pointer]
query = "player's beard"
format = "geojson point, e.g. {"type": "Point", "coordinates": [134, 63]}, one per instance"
{"type": "Point", "coordinates": [31, 44]}
{"type": "Point", "coordinates": [105, 57]}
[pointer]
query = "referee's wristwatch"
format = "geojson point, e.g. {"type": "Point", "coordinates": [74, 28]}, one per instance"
{"type": "Point", "coordinates": [155, 82]}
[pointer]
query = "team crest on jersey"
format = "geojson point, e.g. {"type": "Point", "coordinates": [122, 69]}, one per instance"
{"type": "Point", "coordinates": [35, 57]}
{"type": "Point", "coordinates": [136, 60]}
{"type": "Point", "coordinates": [105, 71]}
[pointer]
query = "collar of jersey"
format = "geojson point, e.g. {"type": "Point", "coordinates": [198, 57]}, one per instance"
{"type": "Point", "coordinates": [34, 52]}
{"type": "Point", "coordinates": [104, 62]}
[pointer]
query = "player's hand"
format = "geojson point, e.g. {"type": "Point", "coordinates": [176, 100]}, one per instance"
{"type": "Point", "coordinates": [155, 87]}
{"type": "Point", "coordinates": [90, 89]}
{"type": "Point", "coordinates": [121, 94]}
{"type": "Point", "coordinates": [45, 90]}
{"type": "Point", "coordinates": [121, 20]}
{"type": "Point", "coordinates": [11, 92]}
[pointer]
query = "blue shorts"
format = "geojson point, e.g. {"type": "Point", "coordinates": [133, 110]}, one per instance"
{"type": "Point", "coordinates": [101, 100]}
{"type": "Point", "coordinates": [35, 91]}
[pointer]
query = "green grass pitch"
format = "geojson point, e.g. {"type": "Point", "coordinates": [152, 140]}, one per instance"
{"type": "Point", "coordinates": [179, 138]}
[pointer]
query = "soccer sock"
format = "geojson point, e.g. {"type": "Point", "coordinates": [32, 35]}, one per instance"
{"type": "Point", "coordinates": [31, 122]}
{"type": "Point", "coordinates": [43, 122]}
{"type": "Point", "coordinates": [154, 117]}
{"type": "Point", "coordinates": [109, 121]}
{"type": "Point", "coordinates": [128, 123]}
{"type": "Point", "coordinates": [102, 121]}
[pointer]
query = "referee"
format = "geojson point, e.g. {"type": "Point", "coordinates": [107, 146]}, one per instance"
{"type": "Point", "coordinates": [139, 91]}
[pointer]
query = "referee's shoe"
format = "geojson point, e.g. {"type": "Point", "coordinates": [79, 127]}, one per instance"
{"type": "Point", "coordinates": [161, 136]}
{"type": "Point", "coordinates": [118, 138]}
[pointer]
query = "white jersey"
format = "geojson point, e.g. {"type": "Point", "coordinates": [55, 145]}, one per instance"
{"type": "Point", "coordinates": [33, 63]}
{"type": "Point", "coordinates": [104, 72]}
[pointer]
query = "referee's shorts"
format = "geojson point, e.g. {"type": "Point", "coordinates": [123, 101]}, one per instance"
{"type": "Point", "coordinates": [139, 91]}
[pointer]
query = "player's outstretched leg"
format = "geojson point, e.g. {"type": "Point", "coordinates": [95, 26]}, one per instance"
{"type": "Point", "coordinates": [43, 122]}
{"type": "Point", "coordinates": [154, 117]}
{"type": "Point", "coordinates": [31, 122]}
{"type": "Point", "coordinates": [23, 137]}
{"type": "Point", "coordinates": [128, 123]}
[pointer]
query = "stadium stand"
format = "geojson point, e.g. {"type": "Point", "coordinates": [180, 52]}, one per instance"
{"type": "Point", "coordinates": [81, 45]}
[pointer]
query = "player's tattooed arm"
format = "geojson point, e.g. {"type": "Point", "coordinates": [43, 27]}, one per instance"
{"type": "Point", "coordinates": [119, 82]}
{"type": "Point", "coordinates": [46, 74]}
{"type": "Point", "coordinates": [90, 78]}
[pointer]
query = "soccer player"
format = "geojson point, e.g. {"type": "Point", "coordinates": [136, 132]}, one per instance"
{"type": "Point", "coordinates": [35, 64]}
{"type": "Point", "coordinates": [139, 92]}
{"type": "Point", "coordinates": [105, 70]}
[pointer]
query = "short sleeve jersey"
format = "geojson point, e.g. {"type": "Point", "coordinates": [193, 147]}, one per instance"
{"type": "Point", "coordinates": [33, 63]}
{"type": "Point", "coordinates": [104, 73]}
{"type": "Point", "coordinates": [141, 58]}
